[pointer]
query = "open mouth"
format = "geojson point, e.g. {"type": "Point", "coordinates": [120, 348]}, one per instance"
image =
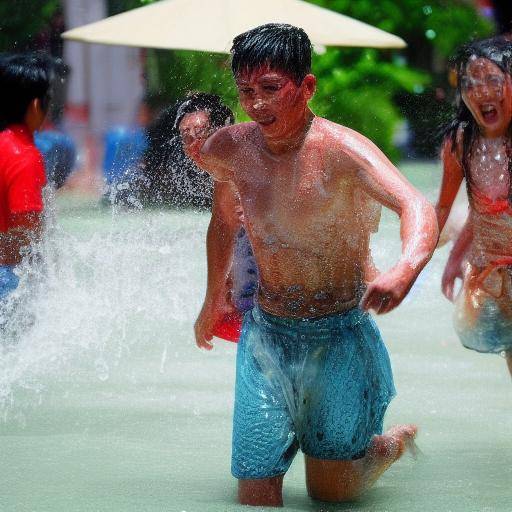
{"type": "Point", "coordinates": [489, 113]}
{"type": "Point", "coordinates": [267, 121]}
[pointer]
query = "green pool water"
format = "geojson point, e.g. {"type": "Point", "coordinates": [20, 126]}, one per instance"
{"type": "Point", "coordinates": [107, 405]}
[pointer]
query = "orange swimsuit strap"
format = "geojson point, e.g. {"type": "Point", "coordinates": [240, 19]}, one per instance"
{"type": "Point", "coordinates": [486, 205]}
{"type": "Point", "coordinates": [478, 280]}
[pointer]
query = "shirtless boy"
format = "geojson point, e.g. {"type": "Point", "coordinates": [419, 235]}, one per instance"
{"type": "Point", "coordinates": [312, 370]}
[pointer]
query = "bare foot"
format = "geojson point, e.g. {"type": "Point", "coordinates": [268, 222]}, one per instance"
{"type": "Point", "coordinates": [345, 480]}
{"type": "Point", "coordinates": [388, 448]}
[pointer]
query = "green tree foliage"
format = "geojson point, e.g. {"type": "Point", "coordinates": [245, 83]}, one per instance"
{"type": "Point", "coordinates": [175, 73]}
{"type": "Point", "coordinates": [22, 20]}
{"type": "Point", "coordinates": [376, 88]}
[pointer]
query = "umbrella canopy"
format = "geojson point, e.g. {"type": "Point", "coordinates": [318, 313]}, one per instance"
{"type": "Point", "coordinates": [211, 25]}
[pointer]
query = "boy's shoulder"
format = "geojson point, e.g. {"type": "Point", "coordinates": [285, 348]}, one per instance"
{"type": "Point", "coordinates": [240, 131]}
{"type": "Point", "coordinates": [17, 140]}
{"type": "Point", "coordinates": [18, 151]}
{"type": "Point", "coordinates": [231, 138]}
{"type": "Point", "coordinates": [335, 132]}
{"type": "Point", "coordinates": [234, 131]}
{"type": "Point", "coordinates": [336, 138]}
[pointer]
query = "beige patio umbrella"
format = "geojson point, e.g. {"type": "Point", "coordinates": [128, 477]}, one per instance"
{"type": "Point", "coordinates": [211, 25]}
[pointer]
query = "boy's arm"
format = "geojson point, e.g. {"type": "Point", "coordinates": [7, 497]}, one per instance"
{"type": "Point", "coordinates": [212, 154]}
{"type": "Point", "coordinates": [452, 178]}
{"type": "Point", "coordinates": [453, 268]}
{"type": "Point", "coordinates": [418, 230]}
{"type": "Point", "coordinates": [220, 241]}
{"type": "Point", "coordinates": [25, 228]}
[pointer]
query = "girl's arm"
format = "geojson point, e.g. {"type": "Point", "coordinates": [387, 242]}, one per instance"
{"type": "Point", "coordinates": [452, 178]}
{"type": "Point", "coordinates": [453, 269]}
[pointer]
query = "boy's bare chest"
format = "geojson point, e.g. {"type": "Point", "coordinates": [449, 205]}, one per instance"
{"type": "Point", "coordinates": [292, 189]}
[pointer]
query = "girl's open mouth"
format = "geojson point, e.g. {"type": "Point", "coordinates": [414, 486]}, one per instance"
{"type": "Point", "coordinates": [489, 113]}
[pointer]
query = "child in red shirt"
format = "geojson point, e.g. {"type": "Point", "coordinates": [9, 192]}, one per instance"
{"type": "Point", "coordinates": [25, 84]}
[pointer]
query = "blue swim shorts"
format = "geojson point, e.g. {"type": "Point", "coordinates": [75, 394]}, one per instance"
{"type": "Point", "coordinates": [321, 385]}
{"type": "Point", "coordinates": [8, 281]}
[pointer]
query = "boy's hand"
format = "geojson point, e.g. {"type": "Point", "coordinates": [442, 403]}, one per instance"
{"type": "Point", "coordinates": [203, 329]}
{"type": "Point", "coordinates": [211, 314]}
{"type": "Point", "coordinates": [387, 290]}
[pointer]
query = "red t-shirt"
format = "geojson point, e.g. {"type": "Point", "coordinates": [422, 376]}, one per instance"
{"type": "Point", "coordinates": [22, 175]}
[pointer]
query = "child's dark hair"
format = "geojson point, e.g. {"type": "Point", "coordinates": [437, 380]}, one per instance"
{"type": "Point", "coordinates": [220, 115]}
{"type": "Point", "coordinates": [282, 47]}
{"type": "Point", "coordinates": [497, 50]}
{"type": "Point", "coordinates": [23, 78]}
{"type": "Point", "coordinates": [169, 176]}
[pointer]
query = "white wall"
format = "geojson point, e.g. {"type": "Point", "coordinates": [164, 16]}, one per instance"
{"type": "Point", "coordinates": [105, 86]}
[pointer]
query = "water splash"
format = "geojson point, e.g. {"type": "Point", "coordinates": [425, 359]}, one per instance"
{"type": "Point", "coordinates": [106, 287]}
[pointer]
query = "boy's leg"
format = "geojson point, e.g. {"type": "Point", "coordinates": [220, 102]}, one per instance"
{"type": "Point", "coordinates": [263, 492]}
{"type": "Point", "coordinates": [345, 480]}
{"type": "Point", "coordinates": [264, 444]}
{"type": "Point", "coordinates": [352, 389]}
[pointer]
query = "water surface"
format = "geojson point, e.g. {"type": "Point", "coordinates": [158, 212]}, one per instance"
{"type": "Point", "coordinates": [107, 405]}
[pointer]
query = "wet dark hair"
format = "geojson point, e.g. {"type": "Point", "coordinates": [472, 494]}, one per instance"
{"type": "Point", "coordinates": [169, 177]}
{"type": "Point", "coordinates": [280, 46]}
{"type": "Point", "coordinates": [23, 78]}
{"type": "Point", "coordinates": [497, 50]}
{"type": "Point", "coordinates": [220, 115]}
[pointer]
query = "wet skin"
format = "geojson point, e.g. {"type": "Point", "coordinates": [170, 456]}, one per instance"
{"type": "Point", "coordinates": [487, 93]}
{"type": "Point", "coordinates": [226, 220]}
{"type": "Point", "coordinates": [304, 184]}
{"type": "Point", "coordinates": [224, 225]}
{"type": "Point", "coordinates": [194, 126]}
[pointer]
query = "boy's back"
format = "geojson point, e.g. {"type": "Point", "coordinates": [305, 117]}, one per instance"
{"type": "Point", "coordinates": [22, 174]}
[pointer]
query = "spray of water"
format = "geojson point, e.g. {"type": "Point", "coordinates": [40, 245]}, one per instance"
{"type": "Point", "coordinates": [104, 287]}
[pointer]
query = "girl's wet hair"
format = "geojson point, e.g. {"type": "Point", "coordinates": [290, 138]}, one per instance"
{"type": "Point", "coordinates": [280, 46]}
{"type": "Point", "coordinates": [219, 114]}
{"type": "Point", "coordinates": [497, 50]}
{"type": "Point", "coordinates": [169, 176]}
